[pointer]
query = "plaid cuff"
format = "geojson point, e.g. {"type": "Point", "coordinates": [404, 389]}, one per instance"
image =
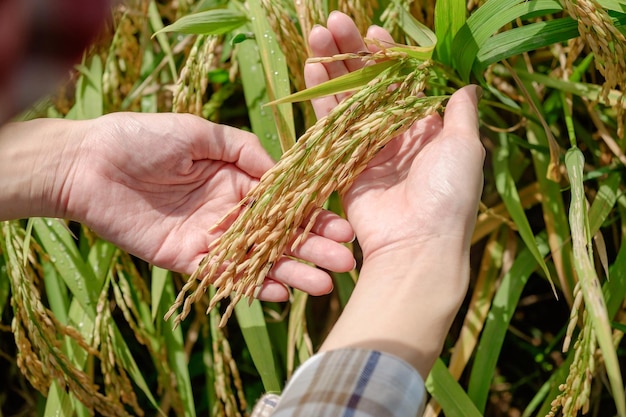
{"type": "Point", "coordinates": [349, 383]}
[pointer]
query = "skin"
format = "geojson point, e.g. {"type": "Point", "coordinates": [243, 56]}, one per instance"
{"type": "Point", "coordinates": [423, 191]}
{"type": "Point", "coordinates": [153, 184]}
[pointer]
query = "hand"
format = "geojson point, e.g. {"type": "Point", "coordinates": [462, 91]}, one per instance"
{"type": "Point", "coordinates": [155, 183]}
{"type": "Point", "coordinates": [413, 210]}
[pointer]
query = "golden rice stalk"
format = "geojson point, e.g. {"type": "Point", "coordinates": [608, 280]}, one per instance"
{"type": "Point", "coordinates": [361, 11]}
{"type": "Point", "coordinates": [574, 395]}
{"type": "Point", "coordinates": [39, 336]}
{"type": "Point", "coordinates": [281, 17]}
{"type": "Point", "coordinates": [608, 44]}
{"type": "Point", "coordinates": [328, 157]}
{"type": "Point", "coordinates": [391, 17]}
{"type": "Point", "coordinates": [193, 80]}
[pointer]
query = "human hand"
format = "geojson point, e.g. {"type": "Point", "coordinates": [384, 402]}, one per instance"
{"type": "Point", "coordinates": [155, 183]}
{"type": "Point", "coordinates": [426, 183]}
{"type": "Point", "coordinates": [413, 210]}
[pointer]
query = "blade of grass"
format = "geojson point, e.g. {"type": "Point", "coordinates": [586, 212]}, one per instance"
{"type": "Point", "coordinates": [508, 191]}
{"type": "Point", "coordinates": [254, 330]}
{"type": "Point", "coordinates": [590, 286]}
{"type": "Point", "coordinates": [447, 391]}
{"type": "Point", "coordinates": [449, 18]}
{"type": "Point", "coordinates": [255, 92]}
{"type": "Point", "coordinates": [486, 21]}
{"type": "Point", "coordinates": [157, 28]}
{"type": "Point", "coordinates": [342, 84]}
{"type": "Point", "coordinates": [276, 73]}
{"type": "Point", "coordinates": [502, 310]}
{"type": "Point", "coordinates": [175, 345]}
{"type": "Point", "coordinates": [209, 22]}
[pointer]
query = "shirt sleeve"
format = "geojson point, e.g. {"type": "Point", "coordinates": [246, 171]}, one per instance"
{"type": "Point", "coordinates": [348, 383]}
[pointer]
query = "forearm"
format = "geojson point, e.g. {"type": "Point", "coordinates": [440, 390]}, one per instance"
{"type": "Point", "coordinates": [404, 303]}
{"type": "Point", "coordinates": [35, 163]}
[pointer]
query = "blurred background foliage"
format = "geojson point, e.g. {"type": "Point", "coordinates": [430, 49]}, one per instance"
{"type": "Point", "coordinates": [541, 331]}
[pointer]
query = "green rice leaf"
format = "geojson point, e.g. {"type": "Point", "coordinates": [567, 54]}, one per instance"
{"type": "Point", "coordinates": [502, 309]}
{"type": "Point", "coordinates": [252, 324]}
{"type": "Point", "coordinates": [345, 83]}
{"type": "Point", "coordinates": [256, 96]}
{"type": "Point", "coordinates": [449, 394]}
{"type": "Point", "coordinates": [210, 22]}
{"type": "Point", "coordinates": [510, 197]}
{"type": "Point", "coordinates": [590, 286]}
{"type": "Point", "coordinates": [159, 280]}
{"type": "Point", "coordinates": [276, 73]}
{"type": "Point", "coordinates": [450, 16]}
{"type": "Point", "coordinates": [486, 21]}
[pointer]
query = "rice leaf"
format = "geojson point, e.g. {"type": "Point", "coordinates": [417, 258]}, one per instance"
{"type": "Point", "coordinates": [157, 27]}
{"type": "Point", "coordinates": [416, 30]}
{"type": "Point", "coordinates": [449, 394]}
{"type": "Point", "coordinates": [175, 346]}
{"type": "Point", "coordinates": [342, 84]}
{"type": "Point", "coordinates": [590, 286]}
{"type": "Point", "coordinates": [256, 96]}
{"type": "Point", "coordinates": [77, 275]}
{"type": "Point", "coordinates": [450, 16]}
{"type": "Point", "coordinates": [254, 330]}
{"type": "Point", "coordinates": [486, 21]}
{"type": "Point", "coordinates": [276, 73]}
{"type": "Point", "coordinates": [508, 191]}
{"type": "Point", "coordinates": [209, 22]}
{"type": "Point", "coordinates": [586, 90]}
{"type": "Point", "coordinates": [502, 309]}
{"type": "Point", "coordinates": [158, 282]}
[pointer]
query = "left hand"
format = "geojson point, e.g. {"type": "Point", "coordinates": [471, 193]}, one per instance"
{"type": "Point", "coordinates": [155, 183]}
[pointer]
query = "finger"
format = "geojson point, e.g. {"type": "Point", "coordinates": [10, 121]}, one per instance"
{"type": "Point", "coordinates": [273, 291]}
{"type": "Point", "coordinates": [347, 38]}
{"type": "Point", "coordinates": [299, 275]}
{"type": "Point", "coordinates": [334, 227]}
{"type": "Point", "coordinates": [380, 34]}
{"type": "Point", "coordinates": [315, 74]}
{"type": "Point", "coordinates": [224, 143]}
{"type": "Point", "coordinates": [324, 253]}
{"type": "Point", "coordinates": [460, 121]}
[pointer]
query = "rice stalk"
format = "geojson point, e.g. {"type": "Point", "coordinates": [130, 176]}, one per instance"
{"type": "Point", "coordinates": [281, 17]}
{"type": "Point", "coordinates": [608, 45]}
{"type": "Point", "coordinates": [39, 335]}
{"type": "Point", "coordinates": [574, 396]}
{"type": "Point", "coordinates": [361, 12]}
{"type": "Point", "coordinates": [391, 16]}
{"type": "Point", "coordinates": [327, 158]}
{"type": "Point", "coordinates": [193, 80]}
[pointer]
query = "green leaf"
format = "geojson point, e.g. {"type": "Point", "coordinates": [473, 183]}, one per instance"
{"type": "Point", "coordinates": [510, 197]}
{"type": "Point", "coordinates": [276, 73]}
{"type": "Point", "coordinates": [210, 22]}
{"type": "Point", "coordinates": [595, 304]}
{"type": "Point", "coordinates": [254, 330]}
{"type": "Point", "coordinates": [345, 83]}
{"type": "Point", "coordinates": [486, 21]}
{"type": "Point", "coordinates": [449, 394]}
{"type": "Point", "coordinates": [502, 309]}
{"type": "Point", "coordinates": [256, 96]}
{"type": "Point", "coordinates": [450, 16]}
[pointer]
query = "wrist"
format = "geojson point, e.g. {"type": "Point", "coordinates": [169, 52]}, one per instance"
{"type": "Point", "coordinates": [35, 166]}
{"type": "Point", "coordinates": [405, 301]}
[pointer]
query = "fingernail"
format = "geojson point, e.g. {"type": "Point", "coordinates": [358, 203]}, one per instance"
{"type": "Point", "coordinates": [479, 92]}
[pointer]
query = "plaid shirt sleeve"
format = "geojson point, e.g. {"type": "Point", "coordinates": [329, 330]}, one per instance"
{"type": "Point", "coordinates": [348, 383]}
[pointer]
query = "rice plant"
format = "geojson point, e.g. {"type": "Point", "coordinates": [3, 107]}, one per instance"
{"type": "Point", "coordinates": [83, 328]}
